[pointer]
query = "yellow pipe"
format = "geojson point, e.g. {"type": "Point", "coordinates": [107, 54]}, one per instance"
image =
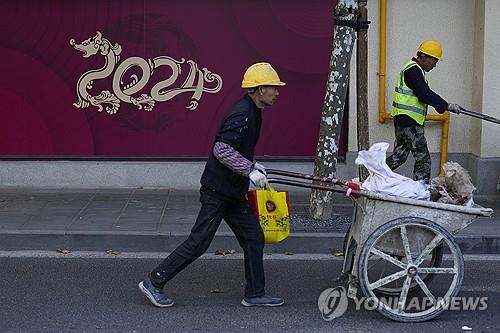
{"type": "Point", "coordinates": [382, 115]}
{"type": "Point", "coordinates": [444, 140]}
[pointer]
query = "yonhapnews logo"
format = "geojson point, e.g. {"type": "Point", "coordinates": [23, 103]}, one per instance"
{"type": "Point", "coordinates": [333, 303]}
{"type": "Point", "coordinates": [128, 88]}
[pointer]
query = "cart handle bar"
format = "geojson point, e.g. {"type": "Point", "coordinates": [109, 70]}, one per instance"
{"type": "Point", "coordinates": [325, 187]}
{"type": "Point", "coordinates": [304, 176]}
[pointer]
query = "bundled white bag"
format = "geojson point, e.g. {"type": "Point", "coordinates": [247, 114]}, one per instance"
{"type": "Point", "coordinates": [383, 180]}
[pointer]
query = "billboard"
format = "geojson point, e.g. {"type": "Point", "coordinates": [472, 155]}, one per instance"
{"type": "Point", "coordinates": [153, 78]}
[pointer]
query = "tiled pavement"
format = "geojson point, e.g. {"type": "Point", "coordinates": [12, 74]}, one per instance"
{"type": "Point", "coordinates": [158, 219]}
{"type": "Point", "coordinates": [148, 210]}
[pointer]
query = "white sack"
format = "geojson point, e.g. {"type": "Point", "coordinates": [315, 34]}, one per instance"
{"type": "Point", "coordinates": [382, 179]}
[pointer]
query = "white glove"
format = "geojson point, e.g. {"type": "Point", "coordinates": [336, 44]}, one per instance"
{"type": "Point", "coordinates": [258, 178]}
{"type": "Point", "coordinates": [260, 167]}
{"type": "Point", "coordinates": [455, 108]}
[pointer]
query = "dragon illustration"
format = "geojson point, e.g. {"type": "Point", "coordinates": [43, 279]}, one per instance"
{"type": "Point", "coordinates": [125, 86]}
{"type": "Point", "coordinates": [111, 55]}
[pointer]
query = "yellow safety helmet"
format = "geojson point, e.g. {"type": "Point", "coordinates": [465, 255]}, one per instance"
{"type": "Point", "coordinates": [261, 74]}
{"type": "Point", "coordinates": [431, 48]}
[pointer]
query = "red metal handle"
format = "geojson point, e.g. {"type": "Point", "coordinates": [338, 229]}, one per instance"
{"type": "Point", "coordinates": [305, 176]}
{"type": "Point", "coordinates": [319, 183]}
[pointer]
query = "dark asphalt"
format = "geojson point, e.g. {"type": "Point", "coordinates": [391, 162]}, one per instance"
{"type": "Point", "coordinates": [101, 295]}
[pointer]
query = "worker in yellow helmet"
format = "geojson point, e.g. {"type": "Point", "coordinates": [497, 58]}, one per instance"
{"type": "Point", "coordinates": [412, 96]}
{"type": "Point", "coordinates": [225, 181]}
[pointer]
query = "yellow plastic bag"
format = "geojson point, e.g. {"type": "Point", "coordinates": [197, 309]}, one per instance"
{"type": "Point", "coordinates": [271, 207]}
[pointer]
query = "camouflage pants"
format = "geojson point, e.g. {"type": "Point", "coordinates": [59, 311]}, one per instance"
{"type": "Point", "coordinates": [411, 139]}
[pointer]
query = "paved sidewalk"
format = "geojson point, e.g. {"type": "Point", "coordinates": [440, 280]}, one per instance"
{"type": "Point", "coordinates": [159, 219]}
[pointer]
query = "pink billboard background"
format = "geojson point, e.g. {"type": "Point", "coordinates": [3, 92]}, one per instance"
{"type": "Point", "coordinates": [40, 72]}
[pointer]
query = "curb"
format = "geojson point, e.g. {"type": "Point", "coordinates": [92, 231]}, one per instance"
{"type": "Point", "coordinates": [314, 243]}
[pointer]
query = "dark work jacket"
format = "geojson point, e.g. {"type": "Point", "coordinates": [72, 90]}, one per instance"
{"type": "Point", "coordinates": [415, 81]}
{"type": "Point", "coordinates": [240, 129]}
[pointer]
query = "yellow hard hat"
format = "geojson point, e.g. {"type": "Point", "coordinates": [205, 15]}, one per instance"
{"type": "Point", "coordinates": [261, 74]}
{"type": "Point", "coordinates": [431, 48]}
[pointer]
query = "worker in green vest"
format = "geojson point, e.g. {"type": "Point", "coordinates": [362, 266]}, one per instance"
{"type": "Point", "coordinates": [411, 97]}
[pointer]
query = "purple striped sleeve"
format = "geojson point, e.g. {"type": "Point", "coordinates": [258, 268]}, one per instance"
{"type": "Point", "coordinates": [233, 160]}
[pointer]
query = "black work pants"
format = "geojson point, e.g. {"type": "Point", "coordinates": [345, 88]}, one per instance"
{"type": "Point", "coordinates": [242, 221]}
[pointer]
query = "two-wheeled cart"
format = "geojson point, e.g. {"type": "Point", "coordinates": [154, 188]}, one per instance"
{"type": "Point", "coordinates": [396, 247]}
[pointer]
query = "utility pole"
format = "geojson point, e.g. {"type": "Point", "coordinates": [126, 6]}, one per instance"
{"type": "Point", "coordinates": [325, 164]}
{"type": "Point", "coordinates": [362, 84]}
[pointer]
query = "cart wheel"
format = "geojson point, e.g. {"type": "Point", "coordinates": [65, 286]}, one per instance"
{"type": "Point", "coordinates": [434, 259]}
{"type": "Point", "coordinates": [427, 302]}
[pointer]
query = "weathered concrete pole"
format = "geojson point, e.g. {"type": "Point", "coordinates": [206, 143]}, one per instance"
{"type": "Point", "coordinates": [325, 164]}
{"type": "Point", "coordinates": [362, 87]}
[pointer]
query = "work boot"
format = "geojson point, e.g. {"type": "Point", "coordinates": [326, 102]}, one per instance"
{"type": "Point", "coordinates": [263, 300]}
{"type": "Point", "coordinates": [155, 295]}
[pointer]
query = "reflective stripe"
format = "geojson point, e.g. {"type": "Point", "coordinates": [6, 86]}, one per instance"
{"type": "Point", "coordinates": [409, 108]}
{"type": "Point", "coordinates": [411, 64]}
{"type": "Point", "coordinates": [404, 91]}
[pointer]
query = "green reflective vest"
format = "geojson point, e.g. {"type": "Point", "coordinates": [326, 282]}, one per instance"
{"type": "Point", "coordinates": [405, 102]}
